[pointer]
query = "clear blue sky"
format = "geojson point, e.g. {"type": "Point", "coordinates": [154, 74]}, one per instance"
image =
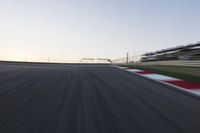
{"type": "Point", "coordinates": [71, 29]}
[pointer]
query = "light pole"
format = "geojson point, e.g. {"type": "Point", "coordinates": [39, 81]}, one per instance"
{"type": "Point", "coordinates": [127, 57]}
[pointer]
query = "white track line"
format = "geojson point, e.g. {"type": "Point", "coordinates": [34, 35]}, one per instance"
{"type": "Point", "coordinates": [159, 77]}
{"type": "Point", "coordinates": [134, 70]}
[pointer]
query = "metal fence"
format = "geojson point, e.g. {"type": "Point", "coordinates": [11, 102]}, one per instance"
{"type": "Point", "coordinates": [130, 59]}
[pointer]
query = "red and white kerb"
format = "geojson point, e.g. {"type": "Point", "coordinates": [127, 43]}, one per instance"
{"type": "Point", "coordinates": [181, 84]}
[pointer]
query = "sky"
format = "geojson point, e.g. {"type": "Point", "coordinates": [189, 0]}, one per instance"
{"type": "Point", "coordinates": [71, 29]}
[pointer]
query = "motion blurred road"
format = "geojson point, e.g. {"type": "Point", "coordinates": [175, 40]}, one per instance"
{"type": "Point", "coordinates": [53, 98]}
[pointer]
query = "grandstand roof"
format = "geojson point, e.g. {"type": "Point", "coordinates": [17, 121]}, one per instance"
{"type": "Point", "coordinates": [181, 47]}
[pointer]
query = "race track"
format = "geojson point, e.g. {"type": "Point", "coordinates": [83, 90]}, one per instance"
{"type": "Point", "coordinates": [36, 98]}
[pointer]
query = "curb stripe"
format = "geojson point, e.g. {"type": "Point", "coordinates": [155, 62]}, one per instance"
{"type": "Point", "coordinates": [134, 70]}
{"type": "Point", "coordinates": [185, 84]}
{"type": "Point", "coordinates": [159, 77]}
{"type": "Point", "coordinates": [144, 72]}
{"type": "Point", "coordinates": [181, 84]}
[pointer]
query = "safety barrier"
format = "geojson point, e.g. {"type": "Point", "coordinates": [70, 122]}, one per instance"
{"type": "Point", "coordinates": [174, 63]}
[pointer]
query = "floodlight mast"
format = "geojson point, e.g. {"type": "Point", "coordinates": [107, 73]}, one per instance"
{"type": "Point", "coordinates": [127, 57]}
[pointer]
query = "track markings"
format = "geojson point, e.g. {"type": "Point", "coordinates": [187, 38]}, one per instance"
{"type": "Point", "coordinates": [159, 77]}
{"type": "Point", "coordinates": [181, 84]}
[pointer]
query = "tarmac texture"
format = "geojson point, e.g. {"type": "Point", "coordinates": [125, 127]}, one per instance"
{"type": "Point", "coordinates": [45, 98]}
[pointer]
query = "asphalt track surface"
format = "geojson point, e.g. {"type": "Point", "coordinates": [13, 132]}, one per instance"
{"type": "Point", "coordinates": [37, 98]}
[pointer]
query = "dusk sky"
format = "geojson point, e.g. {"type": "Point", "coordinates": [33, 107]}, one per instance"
{"type": "Point", "coordinates": [72, 29]}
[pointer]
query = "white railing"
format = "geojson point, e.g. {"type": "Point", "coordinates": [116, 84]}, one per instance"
{"type": "Point", "coordinates": [131, 59]}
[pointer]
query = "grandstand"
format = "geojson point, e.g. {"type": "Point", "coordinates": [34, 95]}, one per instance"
{"type": "Point", "coordinates": [187, 52]}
